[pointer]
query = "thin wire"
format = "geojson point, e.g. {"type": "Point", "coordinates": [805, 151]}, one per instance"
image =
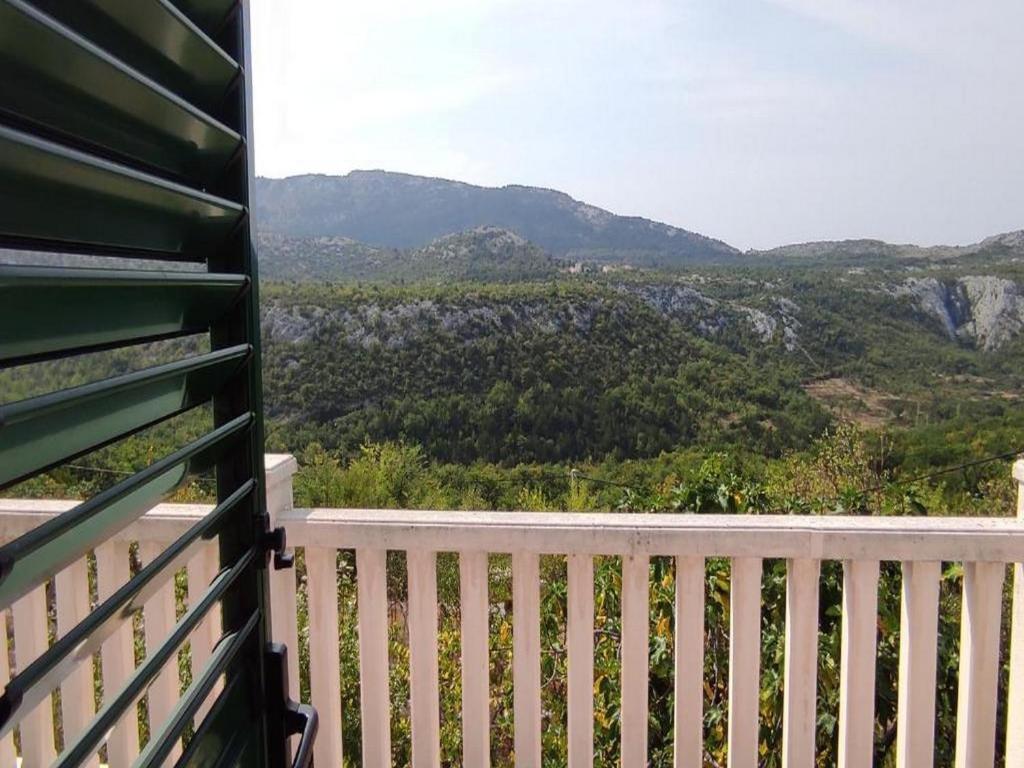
{"type": "Point", "coordinates": [575, 473]}
{"type": "Point", "coordinates": [946, 471]}
{"type": "Point", "coordinates": [101, 470]}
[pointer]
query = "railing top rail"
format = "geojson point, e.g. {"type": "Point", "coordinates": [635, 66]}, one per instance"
{"type": "Point", "coordinates": [162, 524]}
{"type": "Point", "coordinates": [771, 536]}
{"type": "Point", "coordinates": [993, 539]}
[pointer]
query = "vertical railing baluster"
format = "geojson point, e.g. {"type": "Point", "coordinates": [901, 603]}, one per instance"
{"type": "Point", "coordinates": [580, 647]}
{"type": "Point", "coordinates": [77, 702]}
{"type": "Point", "coordinates": [284, 608]}
{"type": "Point", "coordinates": [1015, 696]}
{"type": "Point", "coordinates": [979, 664]}
{"type": "Point", "coordinates": [7, 754]}
{"type": "Point", "coordinates": [375, 704]}
{"type": "Point", "coordinates": [689, 663]}
{"type": "Point", "coordinates": [857, 664]}
{"type": "Point", "coordinates": [159, 619]}
{"type": "Point", "coordinates": [31, 639]}
{"type": "Point", "coordinates": [118, 652]}
{"type": "Point", "coordinates": [324, 659]}
{"type": "Point", "coordinates": [476, 708]}
{"type": "Point", "coordinates": [635, 632]}
{"type": "Point", "coordinates": [201, 571]}
{"type": "Point", "coordinates": [744, 661]}
{"type": "Point", "coordinates": [799, 707]}
{"type": "Point", "coordinates": [284, 626]}
{"type": "Point", "coordinates": [423, 684]}
{"type": "Point", "coordinates": [915, 719]}
{"type": "Point", "coordinates": [526, 659]}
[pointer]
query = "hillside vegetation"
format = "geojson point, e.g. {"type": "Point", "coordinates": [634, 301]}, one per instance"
{"type": "Point", "coordinates": [629, 367]}
{"type": "Point", "coordinates": [487, 254]}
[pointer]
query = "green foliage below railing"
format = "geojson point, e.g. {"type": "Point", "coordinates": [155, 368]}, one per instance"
{"type": "Point", "coordinates": [824, 479]}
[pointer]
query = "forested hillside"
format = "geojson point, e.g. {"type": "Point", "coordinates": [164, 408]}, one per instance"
{"type": "Point", "coordinates": [622, 366]}
{"type": "Point", "coordinates": [523, 373]}
{"type": "Point", "coordinates": [631, 366]}
{"type": "Point", "coordinates": [487, 254]}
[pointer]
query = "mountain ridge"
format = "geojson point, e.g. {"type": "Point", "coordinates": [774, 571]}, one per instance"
{"type": "Point", "coordinates": [1005, 243]}
{"type": "Point", "coordinates": [381, 209]}
{"type": "Point", "coordinates": [395, 210]}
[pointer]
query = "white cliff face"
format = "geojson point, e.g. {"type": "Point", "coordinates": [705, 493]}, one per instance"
{"type": "Point", "coordinates": [710, 316]}
{"type": "Point", "coordinates": [982, 309]}
{"type": "Point", "coordinates": [764, 324]}
{"type": "Point", "coordinates": [997, 309]}
{"type": "Point", "coordinates": [938, 299]}
{"type": "Point", "coordinates": [394, 325]}
{"type": "Point", "coordinates": [782, 318]}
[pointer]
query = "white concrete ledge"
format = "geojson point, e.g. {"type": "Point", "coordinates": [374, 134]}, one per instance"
{"type": "Point", "coordinates": [773, 536]}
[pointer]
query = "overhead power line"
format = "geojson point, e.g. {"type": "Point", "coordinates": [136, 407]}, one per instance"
{"type": "Point", "coordinates": [946, 471]}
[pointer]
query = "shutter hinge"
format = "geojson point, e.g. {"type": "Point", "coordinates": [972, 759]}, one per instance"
{"type": "Point", "coordinates": [276, 541]}
{"type": "Point", "coordinates": [286, 717]}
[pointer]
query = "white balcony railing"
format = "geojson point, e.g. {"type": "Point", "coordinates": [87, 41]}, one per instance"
{"type": "Point", "coordinates": [920, 545]}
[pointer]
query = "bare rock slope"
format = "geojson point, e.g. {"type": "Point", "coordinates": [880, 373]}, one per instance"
{"type": "Point", "coordinates": [982, 309]}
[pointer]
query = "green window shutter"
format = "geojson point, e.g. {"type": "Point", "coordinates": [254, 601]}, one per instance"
{"type": "Point", "coordinates": [125, 132]}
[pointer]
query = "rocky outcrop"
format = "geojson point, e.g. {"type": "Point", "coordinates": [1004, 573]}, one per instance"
{"type": "Point", "coordinates": [763, 323]}
{"type": "Point", "coordinates": [710, 316]}
{"type": "Point", "coordinates": [393, 325]}
{"type": "Point", "coordinates": [780, 318]}
{"type": "Point", "coordinates": [997, 309]}
{"type": "Point", "coordinates": [983, 310]}
{"type": "Point", "coordinates": [681, 302]}
{"type": "Point", "coordinates": [943, 301]}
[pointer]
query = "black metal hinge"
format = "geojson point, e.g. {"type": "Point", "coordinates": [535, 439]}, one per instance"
{"type": "Point", "coordinates": [276, 541]}
{"type": "Point", "coordinates": [285, 717]}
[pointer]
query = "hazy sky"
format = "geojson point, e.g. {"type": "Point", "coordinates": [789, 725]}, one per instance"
{"type": "Point", "coordinates": [758, 122]}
